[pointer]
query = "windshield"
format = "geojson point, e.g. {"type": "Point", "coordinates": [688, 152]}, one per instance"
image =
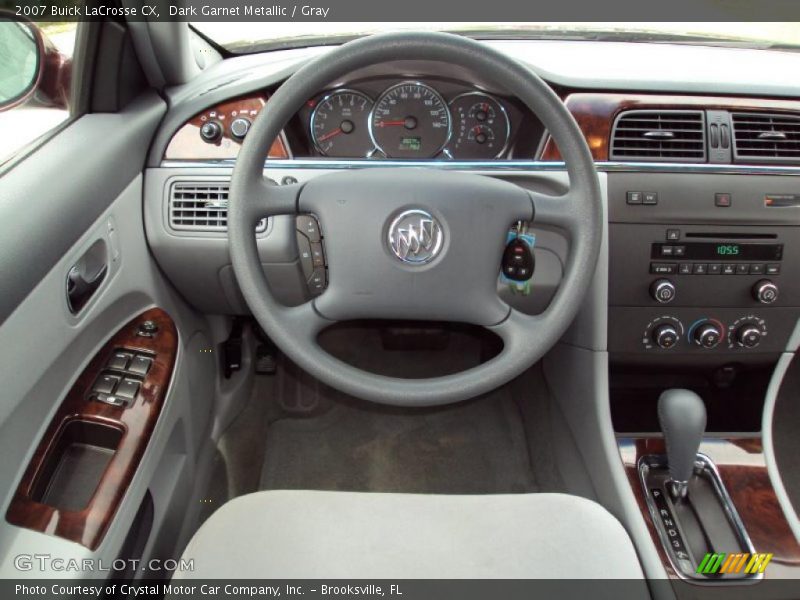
{"type": "Point", "coordinates": [252, 37]}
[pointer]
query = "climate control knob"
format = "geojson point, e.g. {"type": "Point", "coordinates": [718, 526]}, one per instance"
{"type": "Point", "coordinates": [707, 335]}
{"type": "Point", "coordinates": [665, 336]}
{"type": "Point", "coordinates": [748, 335]}
{"type": "Point", "coordinates": [663, 291]}
{"type": "Point", "coordinates": [765, 291]}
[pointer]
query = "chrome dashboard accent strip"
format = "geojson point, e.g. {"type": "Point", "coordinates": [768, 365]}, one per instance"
{"type": "Point", "coordinates": [495, 165]}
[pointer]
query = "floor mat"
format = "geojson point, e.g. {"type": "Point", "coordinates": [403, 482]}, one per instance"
{"type": "Point", "coordinates": [477, 447]}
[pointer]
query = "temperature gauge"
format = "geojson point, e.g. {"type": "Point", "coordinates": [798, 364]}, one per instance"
{"type": "Point", "coordinates": [481, 128]}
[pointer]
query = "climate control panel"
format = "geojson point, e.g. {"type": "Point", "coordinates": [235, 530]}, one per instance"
{"type": "Point", "coordinates": [706, 333]}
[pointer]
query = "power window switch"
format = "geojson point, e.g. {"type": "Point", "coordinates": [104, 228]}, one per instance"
{"type": "Point", "coordinates": [109, 399]}
{"type": "Point", "coordinates": [140, 365]}
{"type": "Point", "coordinates": [127, 389]}
{"type": "Point", "coordinates": [105, 384]}
{"type": "Point", "coordinates": [119, 361]}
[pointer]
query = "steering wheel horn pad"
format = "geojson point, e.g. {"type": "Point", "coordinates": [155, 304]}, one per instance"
{"type": "Point", "coordinates": [441, 260]}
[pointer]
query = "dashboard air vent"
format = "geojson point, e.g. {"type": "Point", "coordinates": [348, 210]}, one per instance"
{"type": "Point", "coordinates": [659, 135]}
{"type": "Point", "coordinates": [201, 207]}
{"type": "Point", "coordinates": [764, 137]}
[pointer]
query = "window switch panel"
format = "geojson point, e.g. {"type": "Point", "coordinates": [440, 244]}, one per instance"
{"type": "Point", "coordinates": [140, 365]}
{"type": "Point", "coordinates": [105, 384]}
{"type": "Point", "coordinates": [119, 361]}
{"type": "Point", "coordinates": [127, 389]}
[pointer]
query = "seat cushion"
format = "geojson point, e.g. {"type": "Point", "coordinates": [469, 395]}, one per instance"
{"type": "Point", "coordinates": [313, 534]}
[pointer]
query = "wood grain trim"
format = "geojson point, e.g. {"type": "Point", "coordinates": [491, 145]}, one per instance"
{"type": "Point", "coordinates": [595, 113]}
{"type": "Point", "coordinates": [88, 526]}
{"type": "Point", "coordinates": [742, 468]}
{"type": "Point", "coordinates": [187, 144]}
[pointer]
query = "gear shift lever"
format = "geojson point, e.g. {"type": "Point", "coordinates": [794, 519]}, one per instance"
{"type": "Point", "coordinates": [682, 416]}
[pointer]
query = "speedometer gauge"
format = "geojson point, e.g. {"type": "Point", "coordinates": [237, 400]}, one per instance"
{"type": "Point", "coordinates": [481, 127]}
{"type": "Point", "coordinates": [339, 124]}
{"type": "Point", "coordinates": [410, 120]}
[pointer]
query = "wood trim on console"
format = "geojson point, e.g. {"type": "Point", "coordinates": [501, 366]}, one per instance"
{"type": "Point", "coordinates": [742, 468]}
{"type": "Point", "coordinates": [137, 421]}
{"type": "Point", "coordinates": [595, 113]}
{"type": "Point", "coordinates": [186, 143]}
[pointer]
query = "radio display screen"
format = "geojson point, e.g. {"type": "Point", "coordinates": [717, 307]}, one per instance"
{"type": "Point", "coordinates": [719, 251]}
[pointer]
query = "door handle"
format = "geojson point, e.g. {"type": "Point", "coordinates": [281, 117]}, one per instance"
{"type": "Point", "coordinates": [86, 276]}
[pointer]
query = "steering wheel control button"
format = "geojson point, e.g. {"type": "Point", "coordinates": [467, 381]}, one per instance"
{"type": "Point", "coordinates": [308, 226]}
{"type": "Point", "coordinates": [140, 365]}
{"type": "Point", "coordinates": [317, 282]}
{"type": "Point", "coordinates": [211, 132]}
{"type": "Point", "coordinates": [518, 260]}
{"type": "Point", "coordinates": [663, 291]}
{"type": "Point", "coordinates": [765, 291]}
{"type": "Point", "coordinates": [415, 237]}
{"type": "Point", "coordinates": [665, 336]}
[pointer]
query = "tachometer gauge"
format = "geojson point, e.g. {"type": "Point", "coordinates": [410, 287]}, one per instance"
{"type": "Point", "coordinates": [481, 128]}
{"type": "Point", "coordinates": [410, 120]}
{"type": "Point", "coordinates": [339, 124]}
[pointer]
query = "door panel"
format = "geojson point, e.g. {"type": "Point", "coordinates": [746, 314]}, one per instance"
{"type": "Point", "coordinates": [83, 187]}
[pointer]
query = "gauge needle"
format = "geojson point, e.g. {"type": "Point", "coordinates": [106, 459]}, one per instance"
{"type": "Point", "coordinates": [391, 123]}
{"type": "Point", "coordinates": [330, 134]}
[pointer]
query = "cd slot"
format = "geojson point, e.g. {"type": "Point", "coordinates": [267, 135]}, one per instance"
{"type": "Point", "coordinates": [708, 235]}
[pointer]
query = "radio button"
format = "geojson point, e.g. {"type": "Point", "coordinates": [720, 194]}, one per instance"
{"type": "Point", "coordinates": [765, 291]}
{"type": "Point", "coordinates": [663, 268]}
{"type": "Point", "coordinates": [742, 269]}
{"type": "Point", "coordinates": [773, 269]}
{"type": "Point", "coordinates": [757, 269]}
{"type": "Point", "coordinates": [663, 291]}
{"type": "Point", "coordinates": [729, 269]}
{"type": "Point", "coordinates": [680, 251]}
{"type": "Point", "coordinates": [685, 269]}
{"type": "Point", "coordinates": [673, 234]}
{"type": "Point", "coordinates": [700, 269]}
{"type": "Point", "coordinates": [667, 250]}
{"type": "Point", "coordinates": [714, 269]}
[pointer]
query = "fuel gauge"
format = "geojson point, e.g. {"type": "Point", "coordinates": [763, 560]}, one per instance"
{"type": "Point", "coordinates": [481, 128]}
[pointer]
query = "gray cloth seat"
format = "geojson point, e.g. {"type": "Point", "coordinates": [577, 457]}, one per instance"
{"type": "Point", "coordinates": [315, 534]}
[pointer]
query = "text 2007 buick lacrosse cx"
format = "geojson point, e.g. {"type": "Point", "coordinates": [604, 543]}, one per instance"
{"type": "Point", "coordinates": [511, 303]}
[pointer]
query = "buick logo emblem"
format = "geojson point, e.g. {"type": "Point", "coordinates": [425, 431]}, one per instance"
{"type": "Point", "coordinates": [415, 237]}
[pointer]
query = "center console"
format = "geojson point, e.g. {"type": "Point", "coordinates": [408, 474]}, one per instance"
{"type": "Point", "coordinates": [704, 298]}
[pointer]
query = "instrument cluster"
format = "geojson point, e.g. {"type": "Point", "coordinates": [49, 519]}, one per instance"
{"type": "Point", "coordinates": [410, 119]}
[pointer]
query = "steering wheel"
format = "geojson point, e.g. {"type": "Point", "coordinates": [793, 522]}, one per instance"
{"type": "Point", "coordinates": [413, 243]}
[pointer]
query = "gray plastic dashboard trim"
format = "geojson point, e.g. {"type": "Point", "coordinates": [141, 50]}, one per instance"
{"type": "Point", "coordinates": [496, 165]}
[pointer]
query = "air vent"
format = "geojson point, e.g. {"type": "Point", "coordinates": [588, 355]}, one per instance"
{"type": "Point", "coordinates": [659, 135]}
{"type": "Point", "coordinates": [201, 207]}
{"type": "Point", "coordinates": [760, 137]}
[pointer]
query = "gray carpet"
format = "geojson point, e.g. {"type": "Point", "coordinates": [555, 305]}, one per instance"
{"type": "Point", "coordinates": [477, 447]}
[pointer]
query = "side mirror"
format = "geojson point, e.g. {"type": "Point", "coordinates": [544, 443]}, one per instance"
{"type": "Point", "coordinates": [21, 64]}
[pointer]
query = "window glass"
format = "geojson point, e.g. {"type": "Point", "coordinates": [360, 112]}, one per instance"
{"type": "Point", "coordinates": [35, 76]}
